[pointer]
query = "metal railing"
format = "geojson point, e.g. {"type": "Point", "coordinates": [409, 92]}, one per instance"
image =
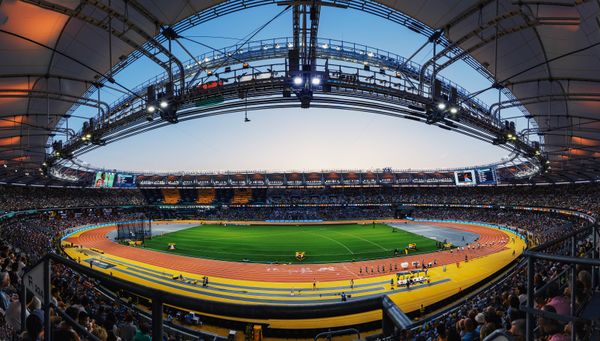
{"type": "Point", "coordinates": [547, 252]}
{"type": "Point", "coordinates": [159, 299]}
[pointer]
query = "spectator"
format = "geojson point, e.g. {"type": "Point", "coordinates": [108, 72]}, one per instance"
{"type": "Point", "coordinates": [143, 334]}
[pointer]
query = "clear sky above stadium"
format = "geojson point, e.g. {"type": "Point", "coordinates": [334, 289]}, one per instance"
{"type": "Point", "coordinates": [299, 139]}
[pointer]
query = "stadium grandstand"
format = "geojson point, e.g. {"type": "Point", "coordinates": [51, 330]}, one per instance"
{"type": "Point", "coordinates": [485, 229]}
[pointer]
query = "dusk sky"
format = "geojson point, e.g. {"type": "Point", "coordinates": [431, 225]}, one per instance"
{"type": "Point", "coordinates": [298, 139]}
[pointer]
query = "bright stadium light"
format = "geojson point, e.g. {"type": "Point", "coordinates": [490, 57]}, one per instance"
{"type": "Point", "coordinates": [88, 136]}
{"type": "Point", "coordinates": [297, 80]}
{"type": "Point", "coordinates": [315, 81]}
{"type": "Point", "coordinates": [151, 109]}
{"type": "Point", "coordinates": [441, 105]}
{"type": "Point", "coordinates": [453, 110]}
{"type": "Point", "coordinates": [164, 104]}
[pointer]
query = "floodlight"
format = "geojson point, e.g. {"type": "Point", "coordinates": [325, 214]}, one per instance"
{"type": "Point", "coordinates": [453, 110]}
{"type": "Point", "coordinates": [151, 109]}
{"type": "Point", "coordinates": [297, 80]}
{"type": "Point", "coordinates": [441, 105]}
{"type": "Point", "coordinates": [315, 81]}
{"type": "Point", "coordinates": [164, 104]}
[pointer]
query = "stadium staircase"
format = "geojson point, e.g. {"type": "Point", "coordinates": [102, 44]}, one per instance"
{"type": "Point", "coordinates": [241, 196]}
{"type": "Point", "coordinates": [188, 196]}
{"type": "Point", "coordinates": [206, 196]}
{"type": "Point", "coordinates": [171, 196]}
{"type": "Point", "coordinates": [223, 196]}
{"type": "Point", "coordinates": [152, 196]}
{"type": "Point", "coordinates": [259, 195]}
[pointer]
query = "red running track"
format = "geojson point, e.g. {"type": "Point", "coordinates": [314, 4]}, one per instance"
{"type": "Point", "coordinates": [495, 240]}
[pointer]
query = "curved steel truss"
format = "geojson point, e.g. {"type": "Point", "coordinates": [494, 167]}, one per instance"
{"type": "Point", "coordinates": [257, 76]}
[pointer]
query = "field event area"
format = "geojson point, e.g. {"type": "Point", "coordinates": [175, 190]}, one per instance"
{"type": "Point", "coordinates": [280, 243]}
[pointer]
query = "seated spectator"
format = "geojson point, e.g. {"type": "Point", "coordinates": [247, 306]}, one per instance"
{"type": "Point", "coordinates": [143, 334]}
{"type": "Point", "coordinates": [518, 330]}
{"type": "Point", "coordinates": [552, 329]}
{"type": "Point", "coordinates": [561, 304]}
{"type": "Point", "coordinates": [34, 327]}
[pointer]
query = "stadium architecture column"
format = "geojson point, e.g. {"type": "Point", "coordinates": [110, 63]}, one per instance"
{"type": "Point", "coordinates": [595, 254]}
{"type": "Point", "coordinates": [157, 318]}
{"type": "Point", "coordinates": [530, 318]}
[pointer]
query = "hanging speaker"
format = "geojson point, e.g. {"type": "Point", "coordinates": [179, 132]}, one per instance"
{"type": "Point", "coordinates": [294, 60]}
{"type": "Point", "coordinates": [151, 94]}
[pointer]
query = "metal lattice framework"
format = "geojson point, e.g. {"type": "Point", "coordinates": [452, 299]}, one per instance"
{"type": "Point", "coordinates": [357, 77]}
{"type": "Point", "coordinates": [550, 85]}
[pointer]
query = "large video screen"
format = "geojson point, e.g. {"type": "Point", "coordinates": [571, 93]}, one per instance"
{"type": "Point", "coordinates": [104, 179]}
{"type": "Point", "coordinates": [124, 180]}
{"type": "Point", "coordinates": [486, 176]}
{"type": "Point", "coordinates": [465, 178]}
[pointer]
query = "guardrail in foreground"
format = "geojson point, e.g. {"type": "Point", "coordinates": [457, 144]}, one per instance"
{"type": "Point", "coordinates": [568, 242]}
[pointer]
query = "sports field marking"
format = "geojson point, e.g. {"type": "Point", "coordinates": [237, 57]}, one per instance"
{"type": "Point", "coordinates": [350, 271]}
{"type": "Point", "coordinates": [301, 295]}
{"type": "Point", "coordinates": [251, 236]}
{"type": "Point", "coordinates": [241, 254]}
{"type": "Point", "coordinates": [361, 238]}
{"type": "Point", "coordinates": [333, 240]}
{"type": "Point", "coordinates": [279, 243]}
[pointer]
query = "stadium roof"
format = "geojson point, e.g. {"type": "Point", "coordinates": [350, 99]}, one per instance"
{"type": "Point", "coordinates": [545, 52]}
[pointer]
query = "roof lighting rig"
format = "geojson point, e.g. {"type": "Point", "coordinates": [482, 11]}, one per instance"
{"type": "Point", "coordinates": [303, 83]}
{"type": "Point", "coordinates": [443, 106]}
{"type": "Point", "coordinates": [165, 103]}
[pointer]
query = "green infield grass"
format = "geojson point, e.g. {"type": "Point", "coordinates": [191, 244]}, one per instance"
{"type": "Point", "coordinates": [279, 243]}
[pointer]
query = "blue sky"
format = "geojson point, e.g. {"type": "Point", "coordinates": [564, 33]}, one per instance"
{"type": "Point", "coordinates": [298, 139]}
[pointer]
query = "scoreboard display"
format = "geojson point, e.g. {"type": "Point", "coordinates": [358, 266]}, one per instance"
{"type": "Point", "coordinates": [110, 179]}
{"type": "Point", "coordinates": [104, 179]}
{"type": "Point", "coordinates": [464, 178]}
{"type": "Point", "coordinates": [486, 176]}
{"type": "Point", "coordinates": [479, 176]}
{"type": "Point", "coordinates": [124, 180]}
